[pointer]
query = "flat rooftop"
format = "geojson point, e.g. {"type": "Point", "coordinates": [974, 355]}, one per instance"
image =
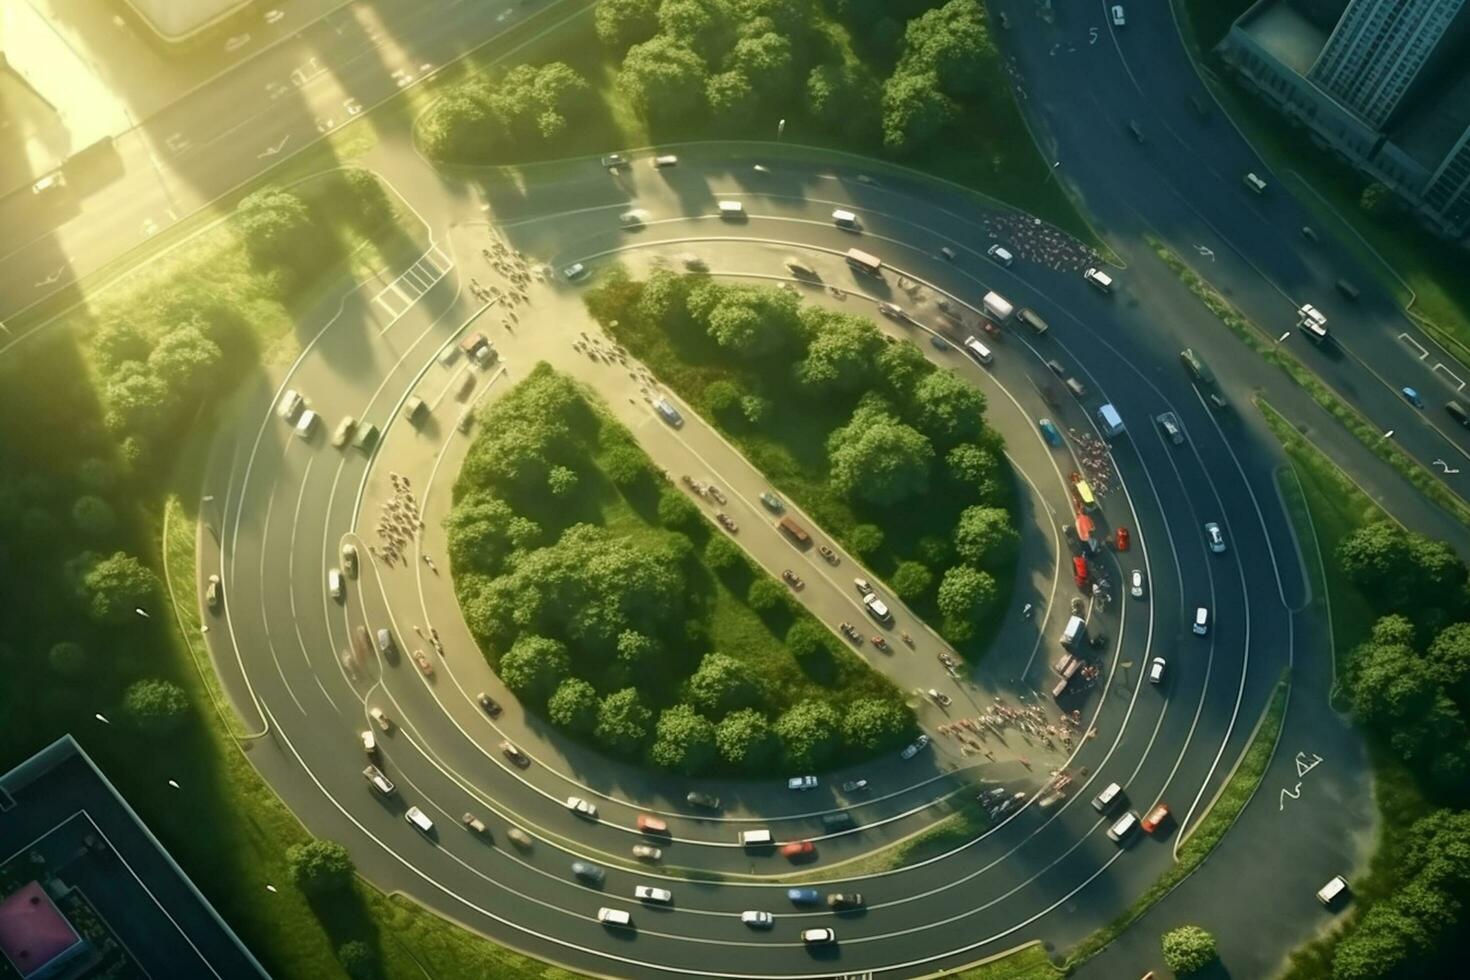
{"type": "Point", "coordinates": [77, 862]}
{"type": "Point", "coordinates": [179, 20]}
{"type": "Point", "coordinates": [1287, 34]}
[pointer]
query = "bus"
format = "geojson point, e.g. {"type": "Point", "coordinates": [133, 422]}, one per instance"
{"type": "Point", "coordinates": [863, 262]}
{"type": "Point", "coordinates": [1084, 494]}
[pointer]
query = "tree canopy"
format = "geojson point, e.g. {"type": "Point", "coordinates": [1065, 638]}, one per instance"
{"type": "Point", "coordinates": [320, 867]}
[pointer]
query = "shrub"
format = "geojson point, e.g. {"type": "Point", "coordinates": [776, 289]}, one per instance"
{"type": "Point", "coordinates": [1188, 949]}
{"type": "Point", "coordinates": [319, 867]}
{"type": "Point", "coordinates": [67, 658]}
{"type": "Point", "coordinates": [156, 706]}
{"type": "Point", "coordinates": [574, 706]}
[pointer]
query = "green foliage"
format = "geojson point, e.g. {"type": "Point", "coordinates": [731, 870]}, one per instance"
{"type": "Point", "coordinates": [156, 706]}
{"type": "Point", "coordinates": [948, 409]}
{"type": "Point", "coordinates": [625, 466]}
{"type": "Point", "coordinates": [911, 581]}
{"type": "Point", "coordinates": [677, 512]}
{"type": "Point", "coordinates": [185, 361]}
{"type": "Point", "coordinates": [915, 111]}
{"type": "Point", "coordinates": [623, 23]}
{"type": "Point", "coordinates": [1378, 201]}
{"type": "Point", "coordinates": [731, 97]}
{"type": "Point", "coordinates": [765, 59]}
{"type": "Point", "coordinates": [807, 638]}
{"type": "Point", "coordinates": [810, 732]}
{"type": "Point", "coordinates": [358, 960]}
{"type": "Point", "coordinates": [745, 741]}
{"type": "Point", "coordinates": [460, 126]}
{"type": "Point", "coordinates": [767, 595]}
{"type": "Point", "coordinates": [844, 97]}
{"type": "Point", "coordinates": [68, 659]}
{"type": "Point", "coordinates": [93, 516]}
{"type": "Point", "coordinates": [561, 481]}
{"type": "Point", "coordinates": [723, 555]}
{"type": "Point", "coordinates": [721, 685]}
{"type": "Point", "coordinates": [866, 540]}
{"type": "Point", "coordinates": [622, 722]}
{"type": "Point", "coordinates": [117, 342]}
{"type": "Point", "coordinates": [754, 408]}
{"type": "Point", "coordinates": [478, 529]}
{"type": "Point", "coordinates": [112, 588]}
{"type": "Point", "coordinates": [1188, 949]}
{"type": "Point", "coordinates": [965, 595]}
{"type": "Point", "coordinates": [277, 230]}
{"type": "Point", "coordinates": [574, 706]}
{"type": "Point", "coordinates": [723, 399]}
{"type": "Point", "coordinates": [873, 725]}
{"type": "Point", "coordinates": [535, 667]}
{"type": "Point", "coordinates": [684, 741]}
{"type": "Point", "coordinates": [953, 43]}
{"type": "Point", "coordinates": [841, 353]}
{"type": "Point", "coordinates": [879, 459]}
{"type": "Point", "coordinates": [985, 537]}
{"type": "Point", "coordinates": [1448, 661]}
{"type": "Point", "coordinates": [320, 867]}
{"type": "Point", "coordinates": [1402, 570]}
{"type": "Point", "coordinates": [663, 79]}
{"type": "Point", "coordinates": [527, 104]}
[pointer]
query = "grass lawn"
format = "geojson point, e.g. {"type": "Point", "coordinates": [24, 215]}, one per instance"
{"type": "Point", "coordinates": [1425, 272]}
{"type": "Point", "coordinates": [1030, 962]}
{"type": "Point", "coordinates": [989, 149]}
{"type": "Point", "coordinates": [964, 823]}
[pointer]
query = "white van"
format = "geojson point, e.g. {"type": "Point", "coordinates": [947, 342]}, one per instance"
{"type": "Point", "coordinates": [1122, 827]}
{"type": "Point", "coordinates": [978, 350]}
{"type": "Point", "coordinates": [665, 160]}
{"type": "Point", "coordinates": [732, 209]}
{"type": "Point", "coordinates": [1201, 621]}
{"type": "Point", "coordinates": [614, 917]}
{"type": "Point", "coordinates": [1075, 628]}
{"type": "Point", "coordinates": [844, 219]}
{"type": "Point", "coordinates": [1103, 802]}
{"type": "Point", "coordinates": [306, 425]}
{"type": "Point", "coordinates": [756, 838]}
{"type": "Point", "coordinates": [420, 820]}
{"type": "Point", "coordinates": [1329, 893]}
{"type": "Point", "coordinates": [1255, 183]}
{"type": "Point", "coordinates": [1111, 421]}
{"type": "Point", "coordinates": [1100, 279]}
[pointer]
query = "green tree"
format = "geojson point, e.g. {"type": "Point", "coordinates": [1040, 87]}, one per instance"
{"type": "Point", "coordinates": [723, 555]}
{"type": "Point", "coordinates": [574, 706]}
{"type": "Point", "coordinates": [745, 740]}
{"type": "Point", "coordinates": [873, 724]}
{"type": "Point", "coordinates": [561, 481]}
{"type": "Point", "coordinates": [811, 732]}
{"type": "Point", "coordinates": [320, 867]}
{"type": "Point", "coordinates": [844, 97]}
{"type": "Point", "coordinates": [1394, 628]}
{"type": "Point", "coordinates": [766, 595]}
{"type": "Point", "coordinates": [722, 684]}
{"type": "Point", "coordinates": [625, 465]}
{"type": "Point", "coordinates": [901, 367]}
{"type": "Point", "coordinates": [97, 475]}
{"type": "Point", "coordinates": [701, 25]}
{"type": "Point", "coordinates": [951, 42]}
{"type": "Point", "coordinates": [1448, 661]}
{"type": "Point", "coordinates": [949, 410]}
{"type": "Point", "coordinates": [684, 741]}
{"type": "Point", "coordinates": [67, 658]}
{"type": "Point", "coordinates": [915, 111]}
{"type": "Point", "coordinates": [865, 539]}
{"type": "Point", "coordinates": [116, 342]}
{"type": "Point", "coordinates": [754, 408]}
{"type": "Point", "coordinates": [677, 512]}
{"type": "Point", "coordinates": [358, 960]}
{"type": "Point", "coordinates": [911, 581]}
{"type": "Point", "coordinates": [807, 638]}
{"type": "Point", "coordinates": [112, 588]}
{"type": "Point", "coordinates": [1188, 949]}
{"type": "Point", "coordinates": [479, 529]}
{"type": "Point", "coordinates": [766, 60]}
{"type": "Point", "coordinates": [879, 459]}
{"type": "Point", "coordinates": [623, 721]}
{"type": "Point", "coordinates": [722, 397]}
{"type": "Point", "coordinates": [156, 706]}
{"type": "Point", "coordinates": [459, 127]}
{"type": "Point", "coordinates": [186, 361]}
{"type": "Point", "coordinates": [93, 516]}
{"type": "Point", "coordinates": [1387, 683]}
{"type": "Point", "coordinates": [663, 300]}
{"type": "Point", "coordinates": [732, 99]}
{"type": "Point", "coordinates": [1378, 201]}
{"type": "Point", "coordinates": [985, 536]}
{"type": "Point", "coordinates": [535, 667]}
{"type": "Point", "coordinates": [372, 207]}
{"type": "Point", "coordinates": [663, 80]}
{"type": "Point", "coordinates": [137, 401]}
{"type": "Point", "coordinates": [841, 354]}
{"type": "Point", "coordinates": [624, 23]}
{"type": "Point", "coordinates": [965, 594]}
{"type": "Point", "coordinates": [277, 229]}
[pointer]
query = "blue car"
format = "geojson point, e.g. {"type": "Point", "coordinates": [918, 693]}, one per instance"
{"type": "Point", "coordinates": [1412, 397]}
{"type": "Point", "coordinates": [1050, 431]}
{"type": "Point", "coordinates": [803, 896]}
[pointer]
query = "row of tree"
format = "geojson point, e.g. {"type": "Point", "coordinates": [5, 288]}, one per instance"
{"type": "Point", "coordinates": [527, 103]}
{"type": "Point", "coordinates": [606, 631]}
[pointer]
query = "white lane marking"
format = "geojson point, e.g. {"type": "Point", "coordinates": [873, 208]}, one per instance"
{"type": "Point", "coordinates": [1421, 352]}
{"type": "Point", "coordinates": [264, 613]}
{"type": "Point", "coordinates": [291, 577]}
{"type": "Point", "coordinates": [1454, 379]}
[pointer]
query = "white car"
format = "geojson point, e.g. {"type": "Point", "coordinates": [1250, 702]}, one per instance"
{"type": "Point", "coordinates": [344, 430]}
{"type": "Point", "coordinates": [1215, 537]}
{"type": "Point", "coordinates": [648, 893]}
{"type": "Point", "coordinates": [290, 404]}
{"type": "Point", "coordinates": [378, 781]}
{"type": "Point", "coordinates": [631, 219]}
{"type": "Point", "coordinates": [668, 412]}
{"type": "Point", "coordinates": [349, 559]}
{"type": "Point", "coordinates": [1201, 621]}
{"type": "Point", "coordinates": [1000, 254]}
{"type": "Point", "coordinates": [48, 184]}
{"type": "Point", "coordinates": [818, 937]}
{"type": "Point", "coordinates": [1135, 584]}
{"type": "Point", "coordinates": [1156, 671]}
{"type": "Point", "coordinates": [802, 782]}
{"type": "Point", "coordinates": [306, 425]}
{"type": "Point", "coordinates": [647, 852]}
{"type": "Point", "coordinates": [380, 719]}
{"type": "Point", "coordinates": [912, 749]}
{"type": "Point", "coordinates": [757, 919]}
{"type": "Point", "coordinates": [335, 585]}
{"type": "Point", "coordinates": [574, 272]}
{"type": "Point", "coordinates": [1118, 19]}
{"type": "Point", "coordinates": [581, 807]}
{"type": "Point", "coordinates": [877, 609]}
{"type": "Point", "coordinates": [369, 742]}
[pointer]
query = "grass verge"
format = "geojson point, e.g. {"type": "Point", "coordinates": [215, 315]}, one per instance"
{"type": "Point", "coordinates": [1233, 797]}
{"type": "Point", "coordinates": [1030, 962]}
{"type": "Point", "coordinates": [1366, 433]}
{"type": "Point", "coordinates": [964, 823]}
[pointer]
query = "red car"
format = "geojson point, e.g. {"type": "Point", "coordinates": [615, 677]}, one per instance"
{"type": "Point", "coordinates": [423, 662]}
{"type": "Point", "coordinates": [1122, 539]}
{"type": "Point", "coordinates": [651, 825]}
{"type": "Point", "coordinates": [798, 848]}
{"type": "Point", "coordinates": [1155, 818]}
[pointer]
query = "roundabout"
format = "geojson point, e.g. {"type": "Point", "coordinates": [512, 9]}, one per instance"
{"type": "Point", "coordinates": [1006, 737]}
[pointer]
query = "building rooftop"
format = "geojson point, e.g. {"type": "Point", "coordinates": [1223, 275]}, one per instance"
{"type": "Point", "coordinates": [33, 932]}
{"type": "Point", "coordinates": [1430, 130]}
{"type": "Point", "coordinates": [179, 20]}
{"type": "Point", "coordinates": [1286, 33]}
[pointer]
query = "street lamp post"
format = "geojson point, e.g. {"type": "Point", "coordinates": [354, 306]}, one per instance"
{"type": "Point", "coordinates": [780, 128]}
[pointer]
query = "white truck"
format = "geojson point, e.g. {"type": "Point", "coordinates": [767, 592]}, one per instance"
{"type": "Point", "coordinates": [998, 306]}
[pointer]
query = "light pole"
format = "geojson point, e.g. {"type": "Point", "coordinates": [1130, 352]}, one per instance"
{"type": "Point", "coordinates": [102, 718]}
{"type": "Point", "coordinates": [141, 612]}
{"type": "Point", "coordinates": [1281, 338]}
{"type": "Point", "coordinates": [780, 128]}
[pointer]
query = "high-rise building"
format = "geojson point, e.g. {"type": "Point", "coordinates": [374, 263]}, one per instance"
{"type": "Point", "coordinates": [1380, 49]}
{"type": "Point", "coordinates": [1448, 193]}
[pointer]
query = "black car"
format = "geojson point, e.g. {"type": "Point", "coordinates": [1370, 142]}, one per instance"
{"type": "Point", "coordinates": [845, 900]}
{"type": "Point", "coordinates": [491, 706]}
{"type": "Point", "coordinates": [703, 800]}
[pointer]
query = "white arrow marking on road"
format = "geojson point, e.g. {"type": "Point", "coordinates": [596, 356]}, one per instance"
{"type": "Point", "coordinates": [1445, 467]}
{"type": "Point", "coordinates": [1206, 251]}
{"type": "Point", "coordinates": [51, 278]}
{"type": "Point", "coordinates": [271, 151]}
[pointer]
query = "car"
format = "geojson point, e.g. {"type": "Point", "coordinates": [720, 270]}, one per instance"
{"type": "Point", "coordinates": [306, 424]}
{"type": "Point", "coordinates": [424, 664]}
{"type": "Point", "coordinates": [366, 439]}
{"type": "Point", "coordinates": [290, 405]}
{"type": "Point", "coordinates": [1169, 425]}
{"type": "Point", "coordinates": [665, 160]}
{"type": "Point", "coordinates": [415, 409]}
{"type": "Point", "coordinates": [1050, 432]}
{"type": "Point", "coordinates": [381, 719]}
{"type": "Point", "coordinates": [704, 800]}
{"type": "Point", "coordinates": [877, 609]}
{"type": "Point", "coordinates": [1215, 538]}
{"type": "Point", "coordinates": [49, 184]}
{"type": "Point", "coordinates": [647, 852]}
{"type": "Point", "coordinates": [349, 559]}
{"type": "Point", "coordinates": [519, 838]}
{"type": "Point", "coordinates": [214, 593]}
{"type": "Point", "coordinates": [614, 917]}
{"type": "Point", "coordinates": [343, 431]}
{"type": "Point", "coordinates": [1135, 130]}
{"type": "Point", "coordinates": [1197, 368]}
{"type": "Point", "coordinates": [693, 262]}
{"type": "Point", "coordinates": [1000, 254]}
{"type": "Point", "coordinates": [474, 824]}
{"type": "Point", "coordinates": [379, 782]}
{"type": "Point", "coordinates": [1119, 19]}
{"type": "Point", "coordinates": [649, 824]}
{"type": "Point", "coordinates": [1156, 671]}
{"type": "Point", "coordinates": [914, 747]}
{"type": "Point", "coordinates": [757, 919]}
{"type": "Point", "coordinates": [335, 586]}
{"type": "Point", "coordinates": [648, 893]}
{"type": "Point", "coordinates": [798, 848]}
{"type": "Point", "coordinates": [420, 821]}
{"type": "Point", "coordinates": [581, 807]}
{"type": "Point", "coordinates": [893, 311]}
{"type": "Point", "coordinates": [1057, 367]}
{"type": "Point", "coordinates": [466, 420]}
{"type": "Point", "coordinates": [800, 269]}
{"type": "Point", "coordinates": [803, 896]}
{"type": "Point", "coordinates": [1155, 818]}
{"type": "Point", "coordinates": [1412, 397]}
{"type": "Point", "coordinates": [1135, 584]}
{"type": "Point", "coordinates": [862, 586]}
{"type": "Point", "coordinates": [1201, 621]}
{"type": "Point", "coordinates": [1099, 279]}
{"type": "Point", "coordinates": [948, 253]}
{"type": "Point", "coordinates": [1334, 891]}
{"type": "Point", "coordinates": [772, 502]}
{"type": "Point", "coordinates": [588, 872]}
{"type": "Point", "coordinates": [818, 937]}
{"type": "Point", "coordinates": [840, 820]}
{"type": "Point", "coordinates": [668, 412]}
{"type": "Point", "coordinates": [491, 706]}
{"type": "Point", "coordinates": [631, 219]}
{"type": "Point", "coordinates": [845, 900]}
{"type": "Point", "coordinates": [369, 742]}
{"type": "Point", "coordinates": [613, 161]}
{"type": "Point", "coordinates": [573, 272]}
{"type": "Point", "coordinates": [802, 782]}
{"type": "Point", "coordinates": [1121, 538]}
{"type": "Point", "coordinates": [515, 755]}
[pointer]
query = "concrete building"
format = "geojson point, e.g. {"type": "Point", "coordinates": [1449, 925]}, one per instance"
{"type": "Point", "coordinates": [177, 21]}
{"type": "Point", "coordinates": [1383, 84]}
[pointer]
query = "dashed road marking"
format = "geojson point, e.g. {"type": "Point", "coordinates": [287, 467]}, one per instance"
{"type": "Point", "coordinates": [412, 283]}
{"type": "Point", "coordinates": [1454, 379]}
{"type": "Point", "coordinates": [1411, 342]}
